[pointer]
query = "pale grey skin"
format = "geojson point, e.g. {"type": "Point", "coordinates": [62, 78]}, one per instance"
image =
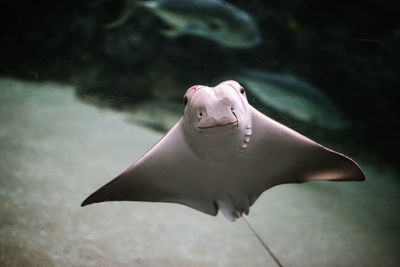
{"type": "Point", "coordinates": [215, 20]}
{"type": "Point", "coordinates": [222, 154]}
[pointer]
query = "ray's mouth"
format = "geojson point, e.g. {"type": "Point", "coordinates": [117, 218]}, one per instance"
{"type": "Point", "coordinates": [233, 123]}
{"type": "Point", "coordinates": [224, 124]}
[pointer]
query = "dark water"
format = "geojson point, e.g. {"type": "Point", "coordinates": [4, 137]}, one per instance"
{"type": "Point", "coordinates": [350, 54]}
{"type": "Point", "coordinates": [84, 102]}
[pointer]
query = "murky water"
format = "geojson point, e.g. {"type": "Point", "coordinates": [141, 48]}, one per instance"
{"type": "Point", "coordinates": [55, 150]}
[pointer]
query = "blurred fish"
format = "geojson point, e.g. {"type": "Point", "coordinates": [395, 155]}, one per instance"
{"type": "Point", "coordinates": [127, 10]}
{"type": "Point", "coordinates": [211, 19]}
{"type": "Point", "coordinates": [293, 96]}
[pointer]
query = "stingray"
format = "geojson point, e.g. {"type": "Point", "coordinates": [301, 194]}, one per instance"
{"type": "Point", "coordinates": [222, 154]}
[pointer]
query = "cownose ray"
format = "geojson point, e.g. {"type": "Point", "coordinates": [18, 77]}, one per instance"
{"type": "Point", "coordinates": [223, 154]}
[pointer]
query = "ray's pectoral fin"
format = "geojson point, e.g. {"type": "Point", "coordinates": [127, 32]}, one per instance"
{"type": "Point", "coordinates": [294, 158]}
{"type": "Point", "coordinates": [322, 163]}
{"type": "Point", "coordinates": [162, 175]}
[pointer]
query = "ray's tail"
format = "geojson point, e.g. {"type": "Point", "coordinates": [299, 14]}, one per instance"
{"type": "Point", "coordinates": [246, 219]}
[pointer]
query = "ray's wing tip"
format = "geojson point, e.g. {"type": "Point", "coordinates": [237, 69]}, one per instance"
{"type": "Point", "coordinates": [359, 174]}
{"type": "Point", "coordinates": [356, 175]}
{"type": "Point", "coordinates": [356, 172]}
{"type": "Point", "coordinates": [361, 177]}
{"type": "Point", "coordinates": [87, 201]}
{"type": "Point", "coordinates": [93, 198]}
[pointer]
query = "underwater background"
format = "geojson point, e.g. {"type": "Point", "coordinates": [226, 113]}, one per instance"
{"type": "Point", "coordinates": [87, 87]}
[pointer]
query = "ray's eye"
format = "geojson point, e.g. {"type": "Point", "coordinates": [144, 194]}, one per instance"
{"type": "Point", "coordinates": [242, 90]}
{"type": "Point", "coordinates": [185, 100]}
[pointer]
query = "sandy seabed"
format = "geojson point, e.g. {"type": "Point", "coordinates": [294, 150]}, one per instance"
{"type": "Point", "coordinates": [55, 150]}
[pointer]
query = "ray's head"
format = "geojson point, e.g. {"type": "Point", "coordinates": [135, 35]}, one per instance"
{"type": "Point", "coordinates": [216, 117]}
{"type": "Point", "coordinates": [218, 109]}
